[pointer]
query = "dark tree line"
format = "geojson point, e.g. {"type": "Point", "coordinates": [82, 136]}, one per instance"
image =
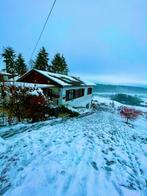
{"type": "Point", "coordinates": [15, 64]}
{"type": "Point", "coordinates": [57, 65]}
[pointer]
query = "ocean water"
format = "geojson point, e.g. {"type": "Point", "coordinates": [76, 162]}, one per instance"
{"type": "Point", "coordinates": [106, 90]}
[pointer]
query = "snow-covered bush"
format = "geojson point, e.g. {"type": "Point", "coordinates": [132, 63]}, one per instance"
{"type": "Point", "coordinates": [24, 103]}
{"type": "Point", "coordinates": [35, 107]}
{"type": "Point", "coordinates": [129, 113]}
{"type": "Point", "coordinates": [98, 106]}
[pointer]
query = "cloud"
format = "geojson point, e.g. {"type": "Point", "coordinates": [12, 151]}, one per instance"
{"type": "Point", "coordinates": [116, 79]}
{"type": "Point", "coordinates": [104, 39]}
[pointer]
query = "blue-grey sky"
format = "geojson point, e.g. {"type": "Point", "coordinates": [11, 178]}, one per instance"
{"type": "Point", "coordinates": [103, 40]}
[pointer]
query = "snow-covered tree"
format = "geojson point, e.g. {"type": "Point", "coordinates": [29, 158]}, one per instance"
{"type": "Point", "coordinates": [41, 61]}
{"type": "Point", "coordinates": [24, 103]}
{"type": "Point", "coordinates": [9, 56]}
{"type": "Point", "coordinates": [21, 67]}
{"type": "Point", "coordinates": [59, 64]}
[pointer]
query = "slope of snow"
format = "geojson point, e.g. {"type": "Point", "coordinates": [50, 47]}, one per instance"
{"type": "Point", "coordinates": [108, 101]}
{"type": "Point", "coordinates": [93, 155]}
{"type": "Point", "coordinates": [3, 145]}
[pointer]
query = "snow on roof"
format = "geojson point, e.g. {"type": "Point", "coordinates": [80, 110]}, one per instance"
{"type": "Point", "coordinates": [5, 73]}
{"type": "Point", "coordinates": [89, 83]}
{"type": "Point", "coordinates": [64, 80]}
{"type": "Point", "coordinates": [53, 77]}
{"type": "Point", "coordinates": [28, 85]}
{"type": "Point", "coordinates": [14, 78]}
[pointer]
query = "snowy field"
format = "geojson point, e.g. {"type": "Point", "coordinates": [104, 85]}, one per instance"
{"type": "Point", "coordinates": [108, 95]}
{"type": "Point", "coordinates": [92, 155]}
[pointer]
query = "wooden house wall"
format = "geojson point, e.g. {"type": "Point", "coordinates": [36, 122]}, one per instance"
{"type": "Point", "coordinates": [34, 77]}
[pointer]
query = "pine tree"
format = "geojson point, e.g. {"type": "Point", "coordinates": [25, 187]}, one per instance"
{"type": "Point", "coordinates": [49, 68]}
{"type": "Point", "coordinates": [59, 65]}
{"type": "Point", "coordinates": [9, 60]}
{"type": "Point", "coordinates": [41, 60]}
{"type": "Point", "coordinates": [21, 67]}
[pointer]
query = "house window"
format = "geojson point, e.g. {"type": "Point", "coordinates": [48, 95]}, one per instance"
{"type": "Point", "coordinates": [89, 92]}
{"type": "Point", "coordinates": [74, 93]}
{"type": "Point", "coordinates": [69, 95]}
{"type": "Point", "coordinates": [81, 92]}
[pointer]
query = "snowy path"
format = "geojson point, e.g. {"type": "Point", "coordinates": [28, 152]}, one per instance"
{"type": "Point", "coordinates": [95, 155]}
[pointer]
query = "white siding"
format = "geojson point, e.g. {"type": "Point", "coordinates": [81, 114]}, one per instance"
{"type": "Point", "coordinates": [81, 101]}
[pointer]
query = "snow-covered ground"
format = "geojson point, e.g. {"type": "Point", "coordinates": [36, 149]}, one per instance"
{"type": "Point", "coordinates": [108, 101]}
{"type": "Point", "coordinates": [92, 155]}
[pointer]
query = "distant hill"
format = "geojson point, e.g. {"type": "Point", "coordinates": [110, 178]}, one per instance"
{"type": "Point", "coordinates": [119, 89]}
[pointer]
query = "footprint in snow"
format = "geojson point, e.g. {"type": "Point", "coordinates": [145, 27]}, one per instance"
{"type": "Point", "coordinates": [108, 169]}
{"type": "Point", "coordinates": [63, 172]}
{"type": "Point", "coordinates": [94, 165]}
{"type": "Point", "coordinates": [109, 163]}
{"type": "Point", "coordinates": [111, 149]}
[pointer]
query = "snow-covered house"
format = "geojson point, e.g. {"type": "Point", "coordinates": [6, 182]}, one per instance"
{"type": "Point", "coordinates": [4, 76]}
{"type": "Point", "coordinates": [61, 89]}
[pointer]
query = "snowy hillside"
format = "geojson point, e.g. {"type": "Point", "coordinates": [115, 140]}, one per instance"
{"type": "Point", "coordinates": [92, 155]}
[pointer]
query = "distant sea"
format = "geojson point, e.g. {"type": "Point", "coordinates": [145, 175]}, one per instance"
{"type": "Point", "coordinates": [103, 88]}
{"type": "Point", "coordinates": [106, 90]}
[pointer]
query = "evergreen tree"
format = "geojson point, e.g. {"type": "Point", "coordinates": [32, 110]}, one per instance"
{"type": "Point", "coordinates": [21, 67]}
{"type": "Point", "coordinates": [9, 60]}
{"type": "Point", "coordinates": [59, 65]}
{"type": "Point", "coordinates": [42, 60]}
{"type": "Point", "coordinates": [49, 68]}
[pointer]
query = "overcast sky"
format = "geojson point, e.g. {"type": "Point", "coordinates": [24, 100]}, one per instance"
{"type": "Point", "coordinates": [103, 40]}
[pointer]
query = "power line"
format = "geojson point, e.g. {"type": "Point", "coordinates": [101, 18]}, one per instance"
{"type": "Point", "coordinates": [49, 14]}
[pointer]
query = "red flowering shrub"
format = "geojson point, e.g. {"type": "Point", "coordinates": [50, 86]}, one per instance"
{"type": "Point", "coordinates": [129, 113]}
{"type": "Point", "coordinates": [24, 103]}
{"type": "Point", "coordinates": [36, 106]}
